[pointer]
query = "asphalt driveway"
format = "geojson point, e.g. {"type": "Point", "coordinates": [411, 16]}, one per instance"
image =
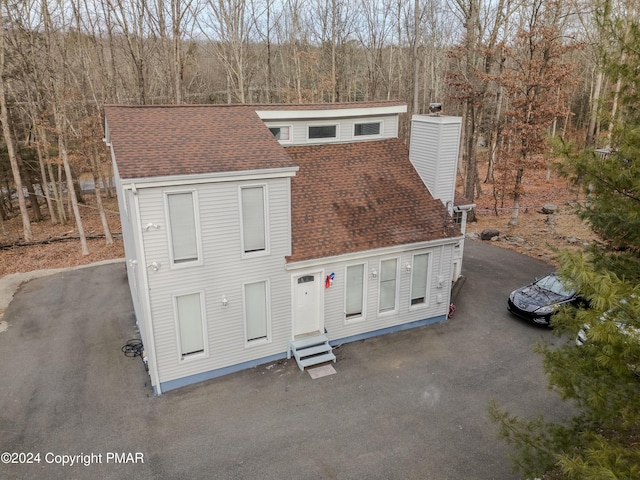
{"type": "Point", "coordinates": [410, 405]}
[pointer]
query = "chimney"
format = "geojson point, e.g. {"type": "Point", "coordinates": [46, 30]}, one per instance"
{"type": "Point", "coordinates": [433, 150]}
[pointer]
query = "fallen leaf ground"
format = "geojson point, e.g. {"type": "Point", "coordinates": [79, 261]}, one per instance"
{"type": "Point", "coordinates": [536, 234]}
{"type": "Point", "coordinates": [65, 253]}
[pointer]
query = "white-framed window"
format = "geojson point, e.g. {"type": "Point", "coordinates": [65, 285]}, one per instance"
{"type": "Point", "coordinates": [369, 129]}
{"type": "Point", "coordinates": [253, 209]}
{"type": "Point", "coordinates": [354, 291]}
{"type": "Point", "coordinates": [420, 279]}
{"type": "Point", "coordinates": [189, 315]}
{"type": "Point", "coordinates": [282, 133]}
{"type": "Point", "coordinates": [388, 285]}
{"type": "Point", "coordinates": [256, 312]}
{"type": "Point", "coordinates": [323, 132]}
{"type": "Point", "coordinates": [184, 241]}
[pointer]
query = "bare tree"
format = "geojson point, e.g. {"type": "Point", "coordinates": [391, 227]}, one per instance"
{"type": "Point", "coordinates": [7, 131]}
{"type": "Point", "coordinates": [58, 68]}
{"type": "Point", "coordinates": [536, 67]}
{"type": "Point", "coordinates": [230, 30]}
{"type": "Point", "coordinates": [132, 20]}
{"type": "Point", "coordinates": [483, 23]}
{"type": "Point", "coordinates": [374, 31]}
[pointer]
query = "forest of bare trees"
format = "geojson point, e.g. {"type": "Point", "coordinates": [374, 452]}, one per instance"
{"type": "Point", "coordinates": [518, 72]}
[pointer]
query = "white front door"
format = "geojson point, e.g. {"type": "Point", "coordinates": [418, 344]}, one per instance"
{"type": "Point", "coordinates": [306, 303]}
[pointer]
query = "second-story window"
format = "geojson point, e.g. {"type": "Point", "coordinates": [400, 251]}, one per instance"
{"type": "Point", "coordinates": [183, 227]}
{"type": "Point", "coordinates": [254, 224]}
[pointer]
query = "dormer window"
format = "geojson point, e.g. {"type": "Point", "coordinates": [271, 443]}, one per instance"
{"type": "Point", "coordinates": [282, 133]}
{"type": "Point", "coordinates": [366, 129]}
{"type": "Point", "coordinates": [322, 132]}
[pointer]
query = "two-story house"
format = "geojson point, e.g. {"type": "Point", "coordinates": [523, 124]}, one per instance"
{"type": "Point", "coordinates": [258, 232]}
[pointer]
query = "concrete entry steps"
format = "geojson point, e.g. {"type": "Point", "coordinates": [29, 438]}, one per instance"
{"type": "Point", "coordinates": [311, 351]}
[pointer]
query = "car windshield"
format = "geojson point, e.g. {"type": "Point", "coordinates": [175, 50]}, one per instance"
{"type": "Point", "coordinates": [553, 284]}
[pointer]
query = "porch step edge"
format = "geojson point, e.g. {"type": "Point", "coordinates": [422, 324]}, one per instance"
{"type": "Point", "coordinates": [316, 360]}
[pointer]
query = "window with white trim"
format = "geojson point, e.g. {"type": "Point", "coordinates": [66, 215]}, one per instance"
{"type": "Point", "coordinates": [388, 285]}
{"type": "Point", "coordinates": [254, 222]}
{"type": "Point", "coordinates": [318, 132]}
{"type": "Point", "coordinates": [256, 311]}
{"type": "Point", "coordinates": [189, 316]}
{"type": "Point", "coordinates": [364, 129]}
{"type": "Point", "coordinates": [354, 291]}
{"type": "Point", "coordinates": [419, 279]}
{"type": "Point", "coordinates": [183, 227]}
{"type": "Point", "coordinates": [281, 133]}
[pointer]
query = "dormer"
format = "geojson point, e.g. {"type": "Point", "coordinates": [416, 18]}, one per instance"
{"type": "Point", "coordinates": [339, 123]}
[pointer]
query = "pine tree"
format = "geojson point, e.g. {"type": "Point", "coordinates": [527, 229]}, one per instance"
{"type": "Point", "coordinates": [602, 376]}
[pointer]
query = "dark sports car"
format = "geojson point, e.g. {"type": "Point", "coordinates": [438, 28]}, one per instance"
{"type": "Point", "coordinates": [539, 300]}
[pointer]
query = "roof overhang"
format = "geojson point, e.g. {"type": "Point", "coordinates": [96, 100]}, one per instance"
{"type": "Point", "coordinates": [330, 113]}
{"type": "Point", "coordinates": [182, 180]}
{"type": "Point", "coordinates": [314, 262]}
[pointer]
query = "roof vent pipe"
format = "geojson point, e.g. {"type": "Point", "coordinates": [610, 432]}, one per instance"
{"type": "Point", "coordinates": [435, 108]}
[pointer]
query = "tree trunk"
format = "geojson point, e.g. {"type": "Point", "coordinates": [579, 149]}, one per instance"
{"type": "Point", "coordinates": [45, 183]}
{"type": "Point", "coordinates": [515, 212]}
{"type": "Point", "coordinates": [414, 54]}
{"type": "Point", "coordinates": [595, 107]}
{"type": "Point", "coordinates": [2, 229]}
{"type": "Point", "coordinates": [33, 198]}
{"type": "Point", "coordinates": [176, 12]}
{"type": "Point", "coordinates": [77, 187]}
{"type": "Point", "coordinates": [98, 192]}
{"type": "Point", "coordinates": [72, 193]}
{"type": "Point", "coordinates": [470, 160]}
{"type": "Point", "coordinates": [11, 149]}
{"type": "Point", "coordinates": [56, 183]}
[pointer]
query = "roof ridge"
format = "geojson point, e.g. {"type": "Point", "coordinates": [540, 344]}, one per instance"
{"type": "Point", "coordinates": [328, 106]}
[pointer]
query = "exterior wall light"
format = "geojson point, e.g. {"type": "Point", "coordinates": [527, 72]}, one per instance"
{"type": "Point", "coordinates": [225, 302]}
{"type": "Point", "coordinates": [155, 266]}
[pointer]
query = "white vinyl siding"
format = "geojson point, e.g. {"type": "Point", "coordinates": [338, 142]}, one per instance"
{"type": "Point", "coordinates": [345, 129]}
{"type": "Point", "coordinates": [221, 274]}
{"type": "Point", "coordinates": [419, 279]}
{"type": "Point", "coordinates": [254, 224]}
{"type": "Point", "coordinates": [354, 295]}
{"type": "Point", "coordinates": [367, 129]}
{"type": "Point", "coordinates": [256, 312]}
{"type": "Point", "coordinates": [433, 151]}
{"type": "Point", "coordinates": [189, 317]}
{"type": "Point", "coordinates": [182, 227]}
{"type": "Point", "coordinates": [388, 285]}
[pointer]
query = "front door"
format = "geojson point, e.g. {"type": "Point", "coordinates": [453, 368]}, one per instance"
{"type": "Point", "coordinates": [306, 303]}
